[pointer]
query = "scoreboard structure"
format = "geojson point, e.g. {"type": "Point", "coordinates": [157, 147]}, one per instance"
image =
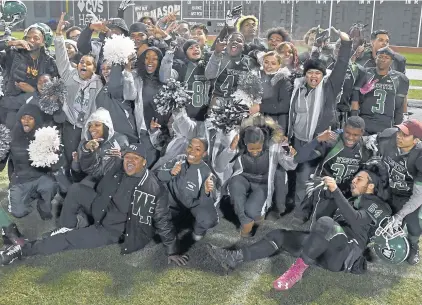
{"type": "Point", "coordinates": [402, 18]}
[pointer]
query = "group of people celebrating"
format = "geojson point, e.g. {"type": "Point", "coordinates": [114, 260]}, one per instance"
{"type": "Point", "coordinates": [247, 121]}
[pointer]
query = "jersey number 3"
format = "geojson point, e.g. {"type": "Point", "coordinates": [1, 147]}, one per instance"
{"type": "Point", "coordinates": [380, 104]}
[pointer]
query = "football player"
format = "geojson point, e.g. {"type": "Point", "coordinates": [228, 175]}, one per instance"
{"type": "Point", "coordinates": [401, 150]}
{"type": "Point", "coordinates": [336, 244]}
{"type": "Point", "coordinates": [226, 64]}
{"type": "Point", "coordinates": [192, 73]}
{"type": "Point", "coordinates": [382, 94]}
{"type": "Point", "coordinates": [380, 39]}
{"type": "Point", "coordinates": [341, 159]}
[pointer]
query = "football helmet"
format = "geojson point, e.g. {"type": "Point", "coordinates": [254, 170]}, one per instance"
{"type": "Point", "coordinates": [12, 11]}
{"type": "Point", "coordinates": [45, 30]}
{"type": "Point", "coordinates": [390, 242]}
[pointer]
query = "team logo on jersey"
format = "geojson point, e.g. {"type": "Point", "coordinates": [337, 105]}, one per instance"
{"type": "Point", "coordinates": [191, 186]}
{"type": "Point", "coordinates": [388, 253]}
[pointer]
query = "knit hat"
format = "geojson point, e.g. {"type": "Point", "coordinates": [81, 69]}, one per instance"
{"type": "Point", "coordinates": [72, 43]}
{"type": "Point", "coordinates": [188, 44]}
{"type": "Point", "coordinates": [314, 64]}
{"type": "Point", "coordinates": [118, 23]}
{"type": "Point", "coordinates": [138, 27]}
{"type": "Point", "coordinates": [386, 50]}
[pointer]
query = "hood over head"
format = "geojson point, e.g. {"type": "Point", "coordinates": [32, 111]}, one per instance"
{"type": "Point", "coordinates": [100, 115]}
{"type": "Point", "coordinates": [32, 110]}
{"type": "Point", "coordinates": [141, 61]}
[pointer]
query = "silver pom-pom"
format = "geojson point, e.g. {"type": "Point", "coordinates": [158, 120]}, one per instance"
{"type": "Point", "coordinates": [44, 149]}
{"type": "Point", "coordinates": [171, 96]}
{"type": "Point", "coordinates": [249, 89]}
{"type": "Point", "coordinates": [53, 96]}
{"type": "Point", "coordinates": [228, 114]}
{"type": "Point", "coordinates": [118, 49]}
{"type": "Point", "coordinates": [5, 139]}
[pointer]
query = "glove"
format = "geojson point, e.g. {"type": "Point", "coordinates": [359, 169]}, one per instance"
{"type": "Point", "coordinates": [180, 260]}
{"type": "Point", "coordinates": [125, 4]}
{"type": "Point", "coordinates": [397, 221]}
{"type": "Point", "coordinates": [371, 142]}
{"type": "Point", "coordinates": [233, 15]}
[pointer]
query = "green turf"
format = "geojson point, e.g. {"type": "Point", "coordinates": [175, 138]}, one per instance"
{"type": "Point", "coordinates": [414, 82]}
{"type": "Point", "coordinates": [413, 58]}
{"type": "Point", "coordinates": [415, 94]}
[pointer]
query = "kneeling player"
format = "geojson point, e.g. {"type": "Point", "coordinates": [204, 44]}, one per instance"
{"type": "Point", "coordinates": [336, 244]}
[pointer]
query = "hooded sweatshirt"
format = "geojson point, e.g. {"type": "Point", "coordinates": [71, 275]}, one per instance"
{"type": "Point", "coordinates": [23, 171]}
{"type": "Point", "coordinates": [81, 94]}
{"type": "Point", "coordinates": [98, 162]}
{"type": "Point", "coordinates": [148, 86]}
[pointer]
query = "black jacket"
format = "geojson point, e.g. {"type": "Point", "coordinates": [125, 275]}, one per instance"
{"type": "Point", "coordinates": [23, 171]}
{"type": "Point", "coordinates": [360, 220]}
{"type": "Point", "coordinates": [276, 98]}
{"type": "Point", "coordinates": [17, 63]}
{"type": "Point", "coordinates": [116, 213]}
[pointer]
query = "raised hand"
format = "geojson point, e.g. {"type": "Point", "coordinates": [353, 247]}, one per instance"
{"type": "Point", "coordinates": [220, 46]}
{"type": "Point", "coordinates": [343, 36]}
{"type": "Point", "coordinates": [61, 25]}
{"type": "Point", "coordinates": [176, 168]}
{"type": "Point", "coordinates": [209, 184]}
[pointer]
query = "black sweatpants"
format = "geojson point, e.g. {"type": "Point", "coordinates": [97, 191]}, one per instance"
{"type": "Point", "coordinates": [79, 199]}
{"type": "Point", "coordinates": [303, 172]}
{"type": "Point", "coordinates": [248, 198]}
{"type": "Point", "coordinates": [205, 215]}
{"type": "Point", "coordinates": [71, 141]}
{"type": "Point", "coordinates": [412, 220]}
{"type": "Point", "coordinates": [326, 245]}
{"type": "Point", "coordinates": [84, 238]}
{"type": "Point", "coordinates": [280, 189]}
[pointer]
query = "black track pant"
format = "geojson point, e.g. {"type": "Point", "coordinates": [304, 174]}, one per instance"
{"type": "Point", "coordinates": [71, 141]}
{"type": "Point", "coordinates": [303, 172]}
{"type": "Point", "coordinates": [326, 245]}
{"type": "Point", "coordinates": [79, 199]}
{"type": "Point", "coordinates": [248, 198]}
{"type": "Point", "coordinates": [205, 215]}
{"type": "Point", "coordinates": [412, 220]}
{"type": "Point", "coordinates": [85, 238]}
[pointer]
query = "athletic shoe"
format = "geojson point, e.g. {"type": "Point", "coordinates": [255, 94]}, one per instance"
{"type": "Point", "coordinates": [228, 259]}
{"type": "Point", "coordinates": [11, 235]}
{"type": "Point", "coordinates": [413, 257]}
{"type": "Point", "coordinates": [10, 254]}
{"type": "Point", "coordinates": [291, 276]}
{"type": "Point", "coordinates": [196, 237]}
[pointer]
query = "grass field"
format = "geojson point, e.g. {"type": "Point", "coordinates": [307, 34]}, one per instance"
{"type": "Point", "coordinates": [103, 276]}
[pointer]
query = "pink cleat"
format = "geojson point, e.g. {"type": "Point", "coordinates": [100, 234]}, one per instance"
{"type": "Point", "coordinates": [291, 276]}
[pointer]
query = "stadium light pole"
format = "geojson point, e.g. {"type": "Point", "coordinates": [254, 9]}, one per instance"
{"type": "Point", "coordinates": [373, 17]}
{"type": "Point", "coordinates": [420, 24]}
{"type": "Point", "coordinates": [331, 17]}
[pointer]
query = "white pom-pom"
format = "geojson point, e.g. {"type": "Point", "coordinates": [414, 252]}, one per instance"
{"type": "Point", "coordinates": [43, 150]}
{"type": "Point", "coordinates": [118, 48]}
